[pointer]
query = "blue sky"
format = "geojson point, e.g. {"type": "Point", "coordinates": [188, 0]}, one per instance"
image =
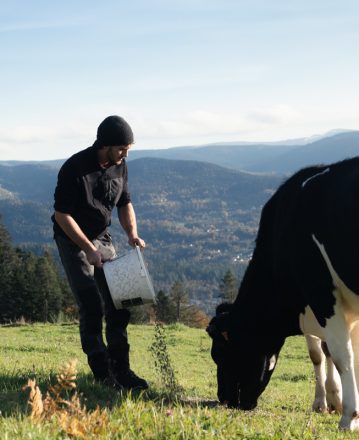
{"type": "Point", "coordinates": [181, 72]}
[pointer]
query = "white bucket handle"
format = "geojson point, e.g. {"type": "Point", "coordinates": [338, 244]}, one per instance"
{"type": "Point", "coordinates": [143, 267]}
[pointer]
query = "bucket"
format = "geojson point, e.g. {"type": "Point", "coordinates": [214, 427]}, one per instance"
{"type": "Point", "coordinates": [128, 280]}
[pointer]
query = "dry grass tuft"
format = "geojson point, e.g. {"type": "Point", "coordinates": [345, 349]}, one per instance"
{"type": "Point", "coordinates": [35, 399]}
{"type": "Point", "coordinates": [62, 403]}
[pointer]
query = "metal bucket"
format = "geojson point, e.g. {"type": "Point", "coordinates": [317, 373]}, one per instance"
{"type": "Point", "coordinates": [128, 280]}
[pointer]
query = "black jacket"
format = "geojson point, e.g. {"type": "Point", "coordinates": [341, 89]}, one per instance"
{"type": "Point", "coordinates": [89, 192]}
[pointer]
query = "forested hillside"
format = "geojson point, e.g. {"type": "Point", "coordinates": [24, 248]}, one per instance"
{"type": "Point", "coordinates": [198, 219]}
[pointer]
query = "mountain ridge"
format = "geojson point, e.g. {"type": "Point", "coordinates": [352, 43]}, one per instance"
{"type": "Point", "coordinates": [198, 218]}
{"type": "Point", "coordinates": [282, 156]}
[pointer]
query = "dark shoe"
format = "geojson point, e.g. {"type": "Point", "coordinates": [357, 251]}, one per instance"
{"type": "Point", "coordinates": [128, 380]}
{"type": "Point", "coordinates": [109, 382]}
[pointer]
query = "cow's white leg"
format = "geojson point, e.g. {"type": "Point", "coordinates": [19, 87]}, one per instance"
{"type": "Point", "coordinates": [340, 347]}
{"type": "Point", "coordinates": [333, 386]}
{"type": "Point", "coordinates": [317, 357]}
{"type": "Point", "coordinates": [354, 336]}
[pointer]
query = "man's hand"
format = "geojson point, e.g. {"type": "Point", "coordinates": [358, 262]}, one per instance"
{"type": "Point", "coordinates": [75, 233]}
{"type": "Point", "coordinates": [136, 241]}
{"type": "Point", "coordinates": [94, 257]}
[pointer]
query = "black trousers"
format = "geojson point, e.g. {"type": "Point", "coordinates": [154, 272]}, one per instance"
{"type": "Point", "coordinates": [90, 290]}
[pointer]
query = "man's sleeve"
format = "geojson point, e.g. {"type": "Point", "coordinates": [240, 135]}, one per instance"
{"type": "Point", "coordinates": [125, 196]}
{"type": "Point", "coordinates": [67, 191]}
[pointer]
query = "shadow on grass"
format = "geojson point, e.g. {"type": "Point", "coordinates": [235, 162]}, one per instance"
{"type": "Point", "coordinates": [164, 398]}
{"type": "Point", "coordinates": [14, 400]}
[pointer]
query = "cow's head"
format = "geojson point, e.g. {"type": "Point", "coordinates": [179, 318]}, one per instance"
{"type": "Point", "coordinates": [221, 352]}
{"type": "Point", "coordinates": [245, 363]}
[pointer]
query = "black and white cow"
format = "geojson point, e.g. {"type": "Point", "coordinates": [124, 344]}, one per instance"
{"type": "Point", "coordinates": [303, 278]}
{"type": "Point", "coordinates": [327, 397]}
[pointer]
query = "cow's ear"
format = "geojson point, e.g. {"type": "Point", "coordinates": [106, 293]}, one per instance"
{"type": "Point", "coordinates": [214, 328]}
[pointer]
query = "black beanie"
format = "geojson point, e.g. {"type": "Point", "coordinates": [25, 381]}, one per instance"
{"type": "Point", "coordinates": [114, 131]}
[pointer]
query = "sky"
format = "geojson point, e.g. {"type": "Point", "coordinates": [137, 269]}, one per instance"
{"type": "Point", "coordinates": [181, 72]}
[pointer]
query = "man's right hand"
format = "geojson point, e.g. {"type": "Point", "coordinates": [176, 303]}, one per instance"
{"type": "Point", "coordinates": [94, 257]}
{"type": "Point", "coordinates": [69, 225]}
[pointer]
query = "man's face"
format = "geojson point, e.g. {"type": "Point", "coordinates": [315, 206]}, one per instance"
{"type": "Point", "coordinates": [116, 154]}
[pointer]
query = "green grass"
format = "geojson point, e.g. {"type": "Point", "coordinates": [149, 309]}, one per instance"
{"type": "Point", "coordinates": [40, 350]}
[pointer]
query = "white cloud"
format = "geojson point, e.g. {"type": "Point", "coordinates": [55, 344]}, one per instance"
{"type": "Point", "coordinates": [33, 134]}
{"type": "Point", "coordinates": [204, 122]}
{"type": "Point", "coordinates": [152, 130]}
{"type": "Point", "coordinates": [40, 143]}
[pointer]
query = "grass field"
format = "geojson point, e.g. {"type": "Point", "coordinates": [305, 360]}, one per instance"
{"type": "Point", "coordinates": [38, 351]}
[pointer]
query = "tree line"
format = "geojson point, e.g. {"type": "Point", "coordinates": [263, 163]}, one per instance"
{"type": "Point", "coordinates": [31, 286]}
{"type": "Point", "coordinates": [33, 289]}
{"type": "Point", "coordinates": [174, 306]}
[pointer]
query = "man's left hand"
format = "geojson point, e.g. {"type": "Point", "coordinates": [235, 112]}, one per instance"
{"type": "Point", "coordinates": [136, 241]}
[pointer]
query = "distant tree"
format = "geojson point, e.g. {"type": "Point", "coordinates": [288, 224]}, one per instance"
{"type": "Point", "coordinates": [228, 287]}
{"type": "Point", "coordinates": [7, 271]}
{"type": "Point", "coordinates": [179, 297]}
{"type": "Point", "coordinates": [164, 308]}
{"type": "Point", "coordinates": [6, 250]}
{"type": "Point", "coordinates": [193, 316]}
{"type": "Point", "coordinates": [69, 306]}
{"type": "Point", "coordinates": [21, 298]}
{"type": "Point", "coordinates": [142, 314]}
{"type": "Point", "coordinates": [48, 290]}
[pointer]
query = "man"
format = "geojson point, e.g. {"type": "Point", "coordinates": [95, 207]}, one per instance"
{"type": "Point", "coordinates": [90, 184]}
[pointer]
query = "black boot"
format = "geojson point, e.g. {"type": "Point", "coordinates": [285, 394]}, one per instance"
{"type": "Point", "coordinates": [130, 381]}
{"type": "Point", "coordinates": [124, 377]}
{"type": "Point", "coordinates": [100, 367]}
